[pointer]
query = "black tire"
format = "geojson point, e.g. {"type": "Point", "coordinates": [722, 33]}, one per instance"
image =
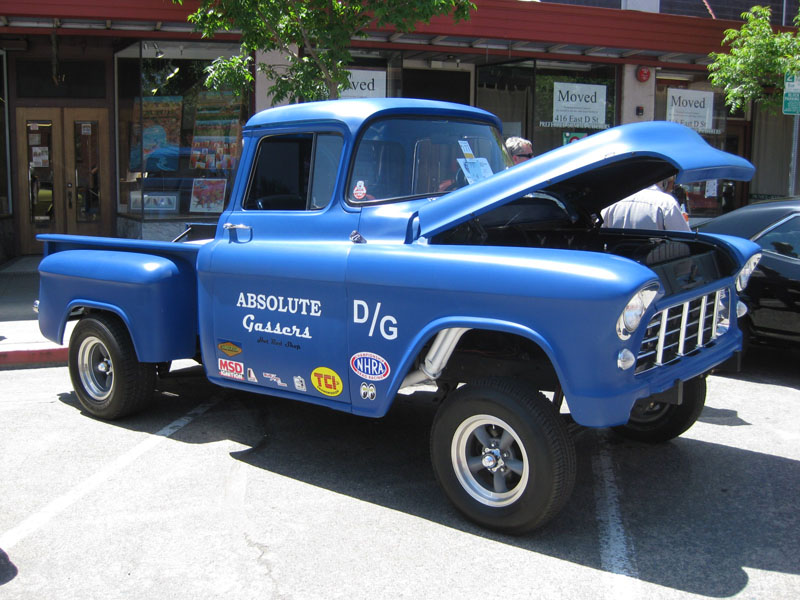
{"type": "Point", "coordinates": [108, 379]}
{"type": "Point", "coordinates": [521, 471]}
{"type": "Point", "coordinates": [655, 422]}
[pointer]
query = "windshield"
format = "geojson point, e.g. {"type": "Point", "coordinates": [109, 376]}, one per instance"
{"type": "Point", "coordinates": [401, 158]}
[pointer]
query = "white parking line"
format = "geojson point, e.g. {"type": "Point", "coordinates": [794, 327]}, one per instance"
{"type": "Point", "coordinates": [616, 552]}
{"type": "Point", "coordinates": [36, 521]}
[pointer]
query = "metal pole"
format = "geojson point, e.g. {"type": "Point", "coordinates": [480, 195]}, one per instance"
{"type": "Point", "coordinates": [793, 163]}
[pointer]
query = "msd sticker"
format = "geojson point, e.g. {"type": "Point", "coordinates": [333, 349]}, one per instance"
{"type": "Point", "coordinates": [326, 381]}
{"type": "Point", "coordinates": [231, 369]}
{"type": "Point", "coordinates": [370, 366]}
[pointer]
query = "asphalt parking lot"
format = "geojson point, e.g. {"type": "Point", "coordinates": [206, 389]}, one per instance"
{"type": "Point", "coordinates": [218, 494]}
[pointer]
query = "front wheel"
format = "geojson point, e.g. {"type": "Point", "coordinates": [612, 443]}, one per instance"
{"type": "Point", "coordinates": [502, 455]}
{"type": "Point", "coordinates": [655, 422]}
{"type": "Point", "coordinates": [107, 377]}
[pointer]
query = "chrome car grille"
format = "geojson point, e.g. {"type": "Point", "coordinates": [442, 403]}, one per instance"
{"type": "Point", "coordinates": [682, 329]}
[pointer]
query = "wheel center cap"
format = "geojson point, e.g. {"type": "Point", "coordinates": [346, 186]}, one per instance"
{"type": "Point", "coordinates": [492, 459]}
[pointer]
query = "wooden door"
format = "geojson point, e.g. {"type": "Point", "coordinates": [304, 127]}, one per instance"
{"type": "Point", "coordinates": [64, 173]}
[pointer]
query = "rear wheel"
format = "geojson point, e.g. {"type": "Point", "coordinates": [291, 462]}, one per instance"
{"type": "Point", "coordinates": [107, 377]}
{"type": "Point", "coordinates": [655, 422]}
{"type": "Point", "coordinates": [502, 455]}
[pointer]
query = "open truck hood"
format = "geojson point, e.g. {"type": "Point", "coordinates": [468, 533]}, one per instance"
{"type": "Point", "coordinates": [592, 173]}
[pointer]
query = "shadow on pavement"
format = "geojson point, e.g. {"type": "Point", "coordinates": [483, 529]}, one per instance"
{"type": "Point", "coordinates": [696, 513]}
{"type": "Point", "coordinates": [768, 364]}
{"type": "Point", "coordinates": [7, 569]}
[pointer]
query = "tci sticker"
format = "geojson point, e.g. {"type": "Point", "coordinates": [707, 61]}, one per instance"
{"type": "Point", "coordinates": [231, 369]}
{"type": "Point", "coordinates": [370, 366]}
{"type": "Point", "coordinates": [229, 348]}
{"type": "Point", "coordinates": [326, 381]}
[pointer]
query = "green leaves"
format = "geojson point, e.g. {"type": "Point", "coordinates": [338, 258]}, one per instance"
{"type": "Point", "coordinates": [758, 58]}
{"type": "Point", "coordinates": [312, 37]}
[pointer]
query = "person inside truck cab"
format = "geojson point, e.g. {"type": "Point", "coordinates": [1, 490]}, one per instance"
{"type": "Point", "coordinates": [519, 149]}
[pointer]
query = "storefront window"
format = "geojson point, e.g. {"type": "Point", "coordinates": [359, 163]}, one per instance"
{"type": "Point", "coordinates": [5, 193]}
{"type": "Point", "coordinates": [507, 91]}
{"type": "Point", "coordinates": [551, 103]}
{"type": "Point", "coordinates": [572, 101]}
{"type": "Point", "coordinates": [689, 99]}
{"type": "Point", "coordinates": [179, 143]}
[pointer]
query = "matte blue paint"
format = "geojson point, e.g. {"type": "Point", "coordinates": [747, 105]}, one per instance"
{"type": "Point", "coordinates": [285, 301]}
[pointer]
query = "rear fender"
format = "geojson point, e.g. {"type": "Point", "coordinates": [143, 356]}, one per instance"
{"type": "Point", "coordinates": [155, 296]}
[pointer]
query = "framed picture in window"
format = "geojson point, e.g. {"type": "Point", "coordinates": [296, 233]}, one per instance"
{"type": "Point", "coordinates": [208, 195]}
{"type": "Point", "coordinates": [161, 202]}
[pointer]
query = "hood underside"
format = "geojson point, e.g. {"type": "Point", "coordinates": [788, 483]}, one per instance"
{"type": "Point", "coordinates": [592, 173]}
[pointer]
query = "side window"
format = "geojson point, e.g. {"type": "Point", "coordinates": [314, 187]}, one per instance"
{"type": "Point", "coordinates": [327, 154]}
{"type": "Point", "coordinates": [783, 239]}
{"type": "Point", "coordinates": [281, 174]}
{"type": "Point", "coordinates": [294, 172]}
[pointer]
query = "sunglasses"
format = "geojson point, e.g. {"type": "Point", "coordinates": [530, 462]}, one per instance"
{"type": "Point", "coordinates": [529, 155]}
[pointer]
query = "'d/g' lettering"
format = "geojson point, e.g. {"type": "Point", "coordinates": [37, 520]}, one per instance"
{"type": "Point", "coordinates": [387, 324]}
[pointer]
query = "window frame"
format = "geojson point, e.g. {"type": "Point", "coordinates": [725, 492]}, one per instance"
{"type": "Point", "coordinates": [773, 227]}
{"type": "Point", "coordinates": [315, 135]}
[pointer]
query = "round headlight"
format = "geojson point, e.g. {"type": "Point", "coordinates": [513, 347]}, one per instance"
{"type": "Point", "coordinates": [747, 270]}
{"type": "Point", "coordinates": [633, 312]}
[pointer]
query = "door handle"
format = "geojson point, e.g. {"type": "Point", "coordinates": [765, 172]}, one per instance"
{"type": "Point", "coordinates": [235, 228]}
{"type": "Point", "coordinates": [229, 226]}
{"type": "Point", "coordinates": [69, 195]}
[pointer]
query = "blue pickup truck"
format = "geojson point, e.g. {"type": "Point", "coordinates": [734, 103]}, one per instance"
{"type": "Point", "coordinates": [372, 248]}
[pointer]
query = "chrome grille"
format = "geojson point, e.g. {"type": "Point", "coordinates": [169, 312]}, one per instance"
{"type": "Point", "coordinates": [682, 329]}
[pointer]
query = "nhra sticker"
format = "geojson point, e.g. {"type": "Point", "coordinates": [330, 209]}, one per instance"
{"type": "Point", "coordinates": [326, 381]}
{"type": "Point", "coordinates": [231, 369]}
{"type": "Point", "coordinates": [229, 348]}
{"type": "Point", "coordinates": [370, 366]}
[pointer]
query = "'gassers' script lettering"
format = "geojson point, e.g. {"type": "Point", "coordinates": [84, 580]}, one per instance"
{"type": "Point", "coordinates": [278, 304]}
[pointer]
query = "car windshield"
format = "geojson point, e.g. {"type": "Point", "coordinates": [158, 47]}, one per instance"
{"type": "Point", "coordinates": [401, 158]}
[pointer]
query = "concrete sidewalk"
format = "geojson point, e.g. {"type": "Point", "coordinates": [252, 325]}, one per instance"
{"type": "Point", "coordinates": [23, 346]}
{"type": "Point", "coordinates": [21, 343]}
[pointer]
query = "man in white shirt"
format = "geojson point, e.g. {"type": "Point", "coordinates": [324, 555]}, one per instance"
{"type": "Point", "coordinates": [650, 208]}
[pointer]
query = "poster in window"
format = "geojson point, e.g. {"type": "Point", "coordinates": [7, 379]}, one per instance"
{"type": "Point", "coordinates": [161, 202]}
{"type": "Point", "coordinates": [40, 156]}
{"type": "Point", "coordinates": [215, 143]}
{"type": "Point", "coordinates": [692, 108]}
{"type": "Point", "coordinates": [580, 105]}
{"type": "Point", "coordinates": [158, 134]}
{"type": "Point", "coordinates": [208, 195]}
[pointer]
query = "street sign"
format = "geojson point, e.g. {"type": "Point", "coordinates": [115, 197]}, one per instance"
{"type": "Point", "coordinates": [791, 94]}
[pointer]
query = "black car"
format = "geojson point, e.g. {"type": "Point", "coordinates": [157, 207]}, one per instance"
{"type": "Point", "coordinates": [773, 294]}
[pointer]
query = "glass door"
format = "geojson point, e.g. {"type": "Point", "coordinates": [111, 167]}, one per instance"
{"type": "Point", "coordinates": [63, 173]}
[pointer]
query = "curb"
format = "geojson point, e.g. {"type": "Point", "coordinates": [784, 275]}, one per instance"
{"type": "Point", "coordinates": [43, 357]}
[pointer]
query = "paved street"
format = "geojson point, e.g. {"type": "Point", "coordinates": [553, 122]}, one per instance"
{"type": "Point", "coordinates": [214, 494]}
